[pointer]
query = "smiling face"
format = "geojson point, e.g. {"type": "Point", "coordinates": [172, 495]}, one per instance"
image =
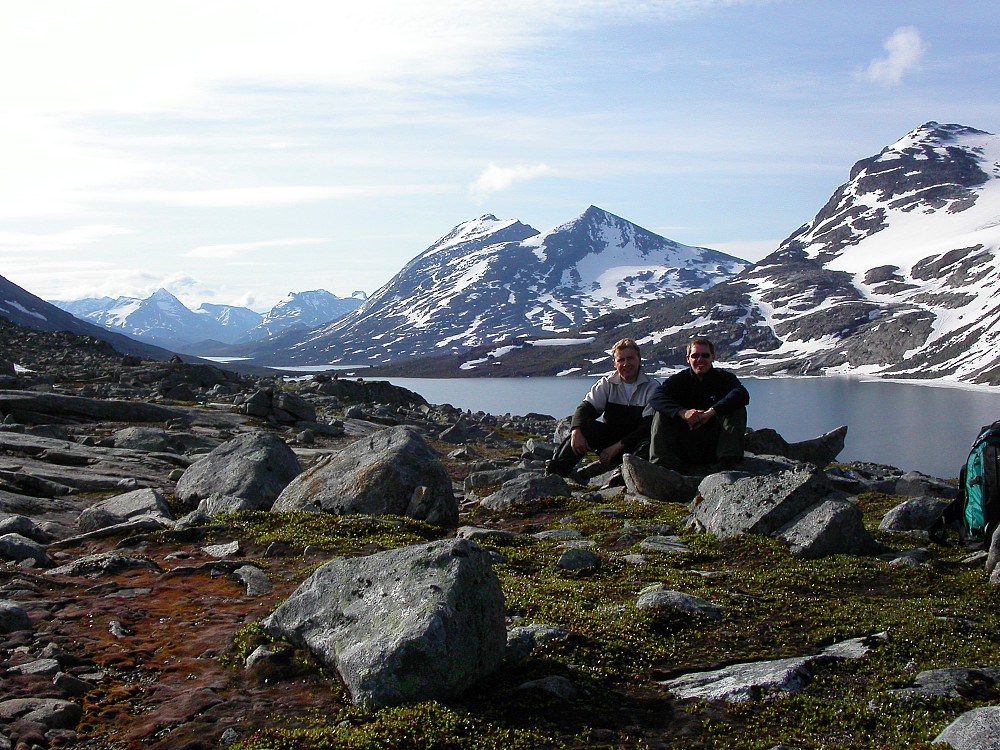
{"type": "Point", "coordinates": [700, 357]}
{"type": "Point", "coordinates": [627, 364]}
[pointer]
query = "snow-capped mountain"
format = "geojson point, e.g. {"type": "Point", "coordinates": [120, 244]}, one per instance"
{"type": "Point", "coordinates": [302, 310]}
{"type": "Point", "coordinates": [489, 279]}
{"type": "Point", "coordinates": [164, 320]}
{"type": "Point", "coordinates": [897, 276]}
{"type": "Point", "coordinates": [24, 308]}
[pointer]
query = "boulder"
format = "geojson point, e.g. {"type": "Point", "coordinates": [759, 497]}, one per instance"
{"type": "Point", "coordinates": [121, 508]}
{"type": "Point", "coordinates": [537, 450]}
{"type": "Point", "coordinates": [978, 729]}
{"type": "Point", "coordinates": [818, 451]}
{"type": "Point", "coordinates": [658, 598]}
{"type": "Point", "coordinates": [391, 472]}
{"type": "Point", "coordinates": [916, 514]}
{"type": "Point", "coordinates": [255, 466]}
{"type": "Point", "coordinates": [655, 482]}
{"type": "Point", "coordinates": [150, 439]}
{"type": "Point", "coordinates": [525, 488]}
{"type": "Point", "coordinates": [18, 524]}
{"type": "Point", "coordinates": [17, 547]}
{"type": "Point", "coordinates": [832, 527]}
{"type": "Point", "coordinates": [103, 564]}
{"type": "Point", "coordinates": [954, 682]}
{"type": "Point", "coordinates": [524, 639]}
{"type": "Point", "coordinates": [13, 617]}
{"type": "Point", "coordinates": [743, 682]}
{"type": "Point", "coordinates": [424, 622]}
{"type": "Point", "coordinates": [758, 505]}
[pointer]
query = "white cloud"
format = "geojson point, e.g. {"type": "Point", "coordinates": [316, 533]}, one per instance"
{"type": "Point", "coordinates": [235, 249]}
{"type": "Point", "coordinates": [276, 195]}
{"type": "Point", "coordinates": [496, 178]}
{"type": "Point", "coordinates": [904, 51]}
{"type": "Point", "coordinates": [21, 243]}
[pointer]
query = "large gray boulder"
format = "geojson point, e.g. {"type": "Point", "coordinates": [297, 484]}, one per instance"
{"type": "Point", "coordinates": [255, 466]}
{"type": "Point", "coordinates": [978, 729]}
{"type": "Point", "coordinates": [151, 439]}
{"type": "Point", "coordinates": [798, 505]}
{"type": "Point", "coordinates": [818, 451]}
{"type": "Point", "coordinates": [525, 488]}
{"type": "Point", "coordinates": [17, 547]}
{"type": "Point", "coordinates": [121, 508]}
{"type": "Point", "coordinates": [918, 514]}
{"type": "Point", "coordinates": [832, 527]}
{"type": "Point", "coordinates": [656, 482]}
{"type": "Point", "coordinates": [424, 622]}
{"type": "Point", "coordinates": [758, 504]}
{"type": "Point", "coordinates": [391, 472]}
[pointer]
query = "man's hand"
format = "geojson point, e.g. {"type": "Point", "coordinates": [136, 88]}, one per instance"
{"type": "Point", "coordinates": [609, 454]}
{"type": "Point", "coordinates": [696, 417]}
{"type": "Point", "coordinates": [578, 442]}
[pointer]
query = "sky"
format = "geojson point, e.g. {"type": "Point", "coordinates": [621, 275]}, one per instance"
{"type": "Point", "coordinates": [235, 151]}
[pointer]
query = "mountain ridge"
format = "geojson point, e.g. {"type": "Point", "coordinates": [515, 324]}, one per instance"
{"type": "Point", "coordinates": [896, 276]}
{"type": "Point", "coordinates": [489, 279]}
{"type": "Point", "coordinates": [163, 320]}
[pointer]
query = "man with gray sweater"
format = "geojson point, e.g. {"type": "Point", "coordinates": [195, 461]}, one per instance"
{"type": "Point", "coordinates": [622, 397]}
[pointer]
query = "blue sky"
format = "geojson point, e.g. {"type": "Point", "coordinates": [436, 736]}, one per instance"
{"type": "Point", "coordinates": [234, 152]}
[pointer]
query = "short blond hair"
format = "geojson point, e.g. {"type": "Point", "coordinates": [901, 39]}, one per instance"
{"type": "Point", "coordinates": [625, 344]}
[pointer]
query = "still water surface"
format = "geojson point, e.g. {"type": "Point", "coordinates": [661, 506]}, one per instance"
{"type": "Point", "coordinates": [913, 427]}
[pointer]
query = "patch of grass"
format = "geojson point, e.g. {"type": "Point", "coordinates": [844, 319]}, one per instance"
{"type": "Point", "coordinates": [424, 726]}
{"type": "Point", "coordinates": [340, 535]}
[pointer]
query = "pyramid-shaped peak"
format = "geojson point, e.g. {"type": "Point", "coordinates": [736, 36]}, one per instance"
{"type": "Point", "coordinates": [935, 134]}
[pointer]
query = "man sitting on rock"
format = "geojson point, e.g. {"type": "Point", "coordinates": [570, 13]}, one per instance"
{"type": "Point", "coordinates": [701, 415]}
{"type": "Point", "coordinates": [623, 399]}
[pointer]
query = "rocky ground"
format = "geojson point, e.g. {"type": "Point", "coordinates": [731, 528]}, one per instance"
{"type": "Point", "coordinates": [638, 616]}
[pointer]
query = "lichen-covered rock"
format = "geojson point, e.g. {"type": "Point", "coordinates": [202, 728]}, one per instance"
{"type": "Point", "coordinates": [978, 729]}
{"type": "Point", "coordinates": [419, 623]}
{"type": "Point", "coordinates": [120, 508]}
{"type": "Point", "coordinates": [255, 466]}
{"type": "Point", "coordinates": [525, 488]}
{"type": "Point", "coordinates": [759, 505]}
{"type": "Point", "coordinates": [832, 527]}
{"type": "Point", "coordinates": [391, 472]}
{"type": "Point", "coordinates": [916, 514]}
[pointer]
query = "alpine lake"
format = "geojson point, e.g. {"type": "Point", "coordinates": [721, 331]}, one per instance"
{"type": "Point", "coordinates": [912, 426]}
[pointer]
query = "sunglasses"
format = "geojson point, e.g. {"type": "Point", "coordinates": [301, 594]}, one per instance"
{"type": "Point", "coordinates": [700, 355]}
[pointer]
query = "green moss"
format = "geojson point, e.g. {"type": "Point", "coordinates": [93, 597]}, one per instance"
{"type": "Point", "coordinates": [425, 726]}
{"type": "Point", "coordinates": [335, 534]}
{"type": "Point", "coordinates": [940, 614]}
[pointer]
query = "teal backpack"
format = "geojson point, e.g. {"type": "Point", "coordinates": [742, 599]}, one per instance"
{"type": "Point", "coordinates": [976, 509]}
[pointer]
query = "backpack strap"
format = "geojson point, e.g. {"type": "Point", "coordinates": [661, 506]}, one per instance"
{"type": "Point", "coordinates": [951, 515]}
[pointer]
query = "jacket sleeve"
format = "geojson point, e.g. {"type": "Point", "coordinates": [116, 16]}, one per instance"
{"type": "Point", "coordinates": [737, 396]}
{"type": "Point", "coordinates": [664, 400]}
{"type": "Point", "coordinates": [584, 413]}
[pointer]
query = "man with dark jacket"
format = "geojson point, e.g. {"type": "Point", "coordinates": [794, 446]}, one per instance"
{"type": "Point", "coordinates": [701, 415]}
{"type": "Point", "coordinates": [622, 397]}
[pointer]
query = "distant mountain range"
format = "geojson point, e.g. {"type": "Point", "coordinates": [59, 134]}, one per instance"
{"type": "Point", "coordinates": [896, 276]}
{"type": "Point", "coordinates": [490, 279]}
{"type": "Point", "coordinates": [165, 321]}
{"type": "Point", "coordinates": [24, 308]}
